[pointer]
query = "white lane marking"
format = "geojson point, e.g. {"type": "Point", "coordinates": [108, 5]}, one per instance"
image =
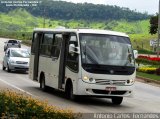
{"type": "Point", "coordinates": [16, 87]}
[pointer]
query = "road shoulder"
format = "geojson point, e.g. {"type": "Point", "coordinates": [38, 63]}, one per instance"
{"type": "Point", "coordinates": [148, 81]}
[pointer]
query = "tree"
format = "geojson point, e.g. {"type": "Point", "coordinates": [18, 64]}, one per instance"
{"type": "Point", "coordinates": [80, 11]}
{"type": "Point", "coordinates": [153, 24]}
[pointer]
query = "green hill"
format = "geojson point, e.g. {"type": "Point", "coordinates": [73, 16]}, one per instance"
{"type": "Point", "coordinates": [20, 20]}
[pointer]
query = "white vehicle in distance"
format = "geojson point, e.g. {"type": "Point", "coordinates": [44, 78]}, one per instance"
{"type": "Point", "coordinates": [16, 59]}
{"type": "Point", "coordinates": [83, 62]}
{"type": "Point", "coordinates": [12, 43]}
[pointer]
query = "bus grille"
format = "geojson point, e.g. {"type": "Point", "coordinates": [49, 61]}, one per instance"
{"type": "Point", "coordinates": [110, 82]}
{"type": "Point", "coordinates": [108, 92]}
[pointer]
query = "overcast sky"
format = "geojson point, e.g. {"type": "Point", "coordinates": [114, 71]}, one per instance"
{"type": "Point", "coordinates": [150, 6]}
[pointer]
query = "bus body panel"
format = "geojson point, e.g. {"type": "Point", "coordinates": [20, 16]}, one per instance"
{"type": "Point", "coordinates": [49, 67]}
{"type": "Point", "coordinates": [31, 66]}
{"type": "Point", "coordinates": [73, 76]}
{"type": "Point", "coordinates": [54, 72]}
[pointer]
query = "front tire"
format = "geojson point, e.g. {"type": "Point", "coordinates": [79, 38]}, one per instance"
{"type": "Point", "coordinates": [3, 67]}
{"type": "Point", "coordinates": [69, 92]}
{"type": "Point", "coordinates": [5, 49]}
{"type": "Point", "coordinates": [8, 69]}
{"type": "Point", "coordinates": [117, 100]}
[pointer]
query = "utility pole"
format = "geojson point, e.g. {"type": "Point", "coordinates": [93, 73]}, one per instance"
{"type": "Point", "coordinates": [44, 18]}
{"type": "Point", "coordinates": [158, 50]}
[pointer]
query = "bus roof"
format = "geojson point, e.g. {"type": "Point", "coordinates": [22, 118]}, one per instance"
{"type": "Point", "coordinates": [91, 31]}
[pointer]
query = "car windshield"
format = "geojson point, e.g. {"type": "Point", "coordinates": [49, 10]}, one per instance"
{"type": "Point", "coordinates": [12, 41]}
{"type": "Point", "coordinates": [106, 50]}
{"type": "Point", "coordinates": [20, 53]}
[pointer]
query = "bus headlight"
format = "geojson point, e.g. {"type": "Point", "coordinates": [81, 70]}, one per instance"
{"type": "Point", "coordinates": [88, 80]}
{"type": "Point", "coordinates": [85, 78]}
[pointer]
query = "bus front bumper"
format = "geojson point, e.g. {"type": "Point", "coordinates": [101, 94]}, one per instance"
{"type": "Point", "coordinates": [96, 90]}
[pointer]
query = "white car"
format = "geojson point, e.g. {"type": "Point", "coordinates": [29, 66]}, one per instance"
{"type": "Point", "coordinates": [12, 43]}
{"type": "Point", "coordinates": [16, 59]}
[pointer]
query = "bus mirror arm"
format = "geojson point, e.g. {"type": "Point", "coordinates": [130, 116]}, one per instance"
{"type": "Point", "coordinates": [77, 50]}
{"type": "Point", "coordinates": [73, 49]}
{"type": "Point", "coordinates": [135, 54]}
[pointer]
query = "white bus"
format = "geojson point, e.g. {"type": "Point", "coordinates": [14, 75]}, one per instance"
{"type": "Point", "coordinates": [83, 62]}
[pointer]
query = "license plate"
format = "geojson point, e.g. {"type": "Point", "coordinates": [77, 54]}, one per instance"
{"type": "Point", "coordinates": [110, 88]}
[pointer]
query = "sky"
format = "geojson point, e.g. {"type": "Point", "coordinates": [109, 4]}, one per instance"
{"type": "Point", "coordinates": [149, 6]}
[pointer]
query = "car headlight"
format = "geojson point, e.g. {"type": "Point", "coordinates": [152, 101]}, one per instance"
{"type": "Point", "coordinates": [12, 61]}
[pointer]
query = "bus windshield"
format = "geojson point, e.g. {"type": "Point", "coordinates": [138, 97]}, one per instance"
{"type": "Point", "coordinates": [102, 49]}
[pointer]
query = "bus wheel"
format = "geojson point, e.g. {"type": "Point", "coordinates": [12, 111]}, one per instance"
{"type": "Point", "coordinates": [117, 100]}
{"type": "Point", "coordinates": [42, 83]}
{"type": "Point", "coordinates": [69, 92]}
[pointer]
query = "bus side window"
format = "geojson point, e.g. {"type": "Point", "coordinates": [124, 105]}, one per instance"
{"type": "Point", "coordinates": [56, 45]}
{"type": "Point", "coordinates": [46, 44]}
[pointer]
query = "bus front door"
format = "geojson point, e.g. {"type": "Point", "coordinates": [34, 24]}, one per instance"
{"type": "Point", "coordinates": [36, 56]}
{"type": "Point", "coordinates": [62, 63]}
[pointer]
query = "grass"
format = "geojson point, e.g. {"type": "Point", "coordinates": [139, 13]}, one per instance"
{"type": "Point", "coordinates": [150, 76]}
{"type": "Point", "coordinates": [138, 27]}
{"type": "Point", "coordinates": [144, 51]}
{"type": "Point", "coordinates": [142, 41]}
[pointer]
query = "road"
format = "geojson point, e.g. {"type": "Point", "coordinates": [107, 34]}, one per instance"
{"type": "Point", "coordinates": [146, 98]}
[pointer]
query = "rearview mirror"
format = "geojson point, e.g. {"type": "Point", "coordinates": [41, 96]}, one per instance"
{"type": "Point", "coordinates": [73, 49]}
{"type": "Point", "coordinates": [19, 41]}
{"type": "Point", "coordinates": [135, 54]}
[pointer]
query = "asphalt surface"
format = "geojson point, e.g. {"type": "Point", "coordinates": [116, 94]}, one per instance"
{"type": "Point", "coordinates": [145, 100]}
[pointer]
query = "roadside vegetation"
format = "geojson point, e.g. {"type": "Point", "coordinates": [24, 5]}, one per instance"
{"type": "Point", "coordinates": [141, 42]}
{"type": "Point", "coordinates": [148, 76]}
{"type": "Point", "coordinates": [16, 105]}
{"type": "Point", "coordinates": [148, 67]}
